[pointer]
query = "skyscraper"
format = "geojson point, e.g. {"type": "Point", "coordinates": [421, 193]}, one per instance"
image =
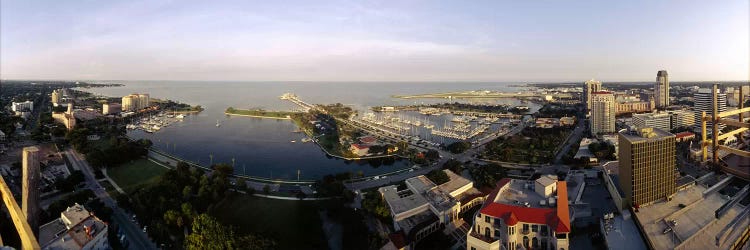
{"type": "Point", "coordinates": [603, 111]}
{"type": "Point", "coordinates": [30, 187]}
{"type": "Point", "coordinates": [589, 87]}
{"type": "Point", "coordinates": [704, 102]}
{"type": "Point", "coordinates": [647, 165]}
{"type": "Point", "coordinates": [56, 97]}
{"type": "Point", "coordinates": [661, 89]}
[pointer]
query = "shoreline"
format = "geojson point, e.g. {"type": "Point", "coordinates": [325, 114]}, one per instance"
{"type": "Point", "coordinates": [259, 116]}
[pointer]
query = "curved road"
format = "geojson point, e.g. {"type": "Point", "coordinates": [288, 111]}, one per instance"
{"type": "Point", "coordinates": [136, 237]}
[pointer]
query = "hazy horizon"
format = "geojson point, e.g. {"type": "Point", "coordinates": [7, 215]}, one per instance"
{"type": "Point", "coordinates": [371, 41]}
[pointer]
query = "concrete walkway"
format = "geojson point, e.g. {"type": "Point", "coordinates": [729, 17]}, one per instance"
{"type": "Point", "coordinates": [114, 184]}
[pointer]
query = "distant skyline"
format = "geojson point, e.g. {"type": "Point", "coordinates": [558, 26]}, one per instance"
{"type": "Point", "coordinates": [514, 41]}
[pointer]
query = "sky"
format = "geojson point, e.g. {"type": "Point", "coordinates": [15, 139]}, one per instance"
{"type": "Point", "coordinates": [361, 40]}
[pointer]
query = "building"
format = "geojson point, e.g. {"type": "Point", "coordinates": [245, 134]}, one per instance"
{"type": "Point", "coordinates": [111, 108]}
{"type": "Point", "coordinates": [56, 97]}
{"type": "Point", "coordinates": [75, 229]}
{"type": "Point", "coordinates": [660, 120]}
{"type": "Point", "coordinates": [704, 103]}
{"type": "Point", "coordinates": [684, 136]}
{"type": "Point", "coordinates": [359, 149]}
{"type": "Point", "coordinates": [661, 89]}
{"type": "Point", "coordinates": [30, 187]}
{"type": "Point", "coordinates": [135, 102]}
{"type": "Point", "coordinates": [423, 206]}
{"type": "Point", "coordinates": [634, 107]}
{"type": "Point", "coordinates": [681, 118]}
{"type": "Point", "coordinates": [590, 87]}
{"type": "Point", "coordinates": [26, 106]}
{"type": "Point", "coordinates": [602, 112]}
{"type": "Point", "coordinates": [66, 118]}
{"type": "Point", "coordinates": [647, 165]}
{"type": "Point", "coordinates": [521, 214]}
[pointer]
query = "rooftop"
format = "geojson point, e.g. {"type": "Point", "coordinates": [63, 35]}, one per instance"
{"type": "Point", "coordinates": [73, 230]}
{"type": "Point", "coordinates": [645, 134]}
{"type": "Point", "coordinates": [696, 225]}
{"type": "Point", "coordinates": [401, 201]}
{"type": "Point", "coordinates": [515, 200]}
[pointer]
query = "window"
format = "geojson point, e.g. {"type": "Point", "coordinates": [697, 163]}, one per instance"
{"type": "Point", "coordinates": [561, 236]}
{"type": "Point", "coordinates": [526, 241]}
{"type": "Point", "coordinates": [473, 248]}
{"type": "Point", "coordinates": [535, 243]}
{"type": "Point", "coordinates": [487, 232]}
{"type": "Point", "coordinates": [497, 232]}
{"type": "Point", "coordinates": [487, 219]}
{"type": "Point", "coordinates": [544, 229]}
{"type": "Point", "coordinates": [525, 228]}
{"type": "Point", "coordinates": [535, 228]}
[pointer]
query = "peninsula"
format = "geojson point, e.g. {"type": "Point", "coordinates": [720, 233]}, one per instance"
{"type": "Point", "coordinates": [260, 113]}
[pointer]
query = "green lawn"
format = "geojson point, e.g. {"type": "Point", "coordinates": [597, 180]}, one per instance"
{"type": "Point", "coordinates": [294, 224]}
{"type": "Point", "coordinates": [130, 176]}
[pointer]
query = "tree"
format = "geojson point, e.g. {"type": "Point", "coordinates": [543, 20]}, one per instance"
{"type": "Point", "coordinates": [454, 165]}
{"type": "Point", "coordinates": [207, 233]}
{"type": "Point", "coordinates": [438, 176]}
{"type": "Point", "coordinates": [459, 147]}
{"type": "Point", "coordinates": [375, 204]}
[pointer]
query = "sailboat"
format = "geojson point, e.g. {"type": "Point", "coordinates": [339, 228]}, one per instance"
{"type": "Point", "coordinates": [218, 124]}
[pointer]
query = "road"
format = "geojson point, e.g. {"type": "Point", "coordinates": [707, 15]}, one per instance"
{"type": "Point", "coordinates": [136, 237]}
{"type": "Point", "coordinates": [572, 139]}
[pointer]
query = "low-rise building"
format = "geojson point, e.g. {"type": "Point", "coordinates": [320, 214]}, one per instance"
{"type": "Point", "coordinates": [66, 118]}
{"type": "Point", "coordinates": [684, 136]}
{"type": "Point", "coordinates": [423, 206]}
{"type": "Point", "coordinates": [660, 120]}
{"type": "Point", "coordinates": [75, 229]}
{"type": "Point", "coordinates": [681, 118]}
{"type": "Point", "coordinates": [521, 214]}
{"type": "Point", "coordinates": [634, 107]}
{"type": "Point", "coordinates": [359, 149]}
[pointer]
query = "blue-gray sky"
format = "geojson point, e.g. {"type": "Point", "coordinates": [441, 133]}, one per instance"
{"type": "Point", "coordinates": [375, 40]}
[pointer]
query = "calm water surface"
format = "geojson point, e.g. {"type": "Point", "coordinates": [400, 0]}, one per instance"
{"type": "Point", "coordinates": [263, 147]}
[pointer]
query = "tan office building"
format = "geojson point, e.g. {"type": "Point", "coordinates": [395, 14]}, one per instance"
{"type": "Point", "coordinates": [647, 165]}
{"type": "Point", "coordinates": [602, 112]}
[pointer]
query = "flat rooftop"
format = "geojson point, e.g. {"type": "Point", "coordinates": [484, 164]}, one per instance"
{"type": "Point", "coordinates": [622, 233]}
{"type": "Point", "coordinates": [456, 182]}
{"type": "Point", "coordinates": [636, 136]}
{"type": "Point", "coordinates": [401, 201]}
{"type": "Point", "coordinates": [696, 225]}
{"type": "Point", "coordinates": [519, 192]}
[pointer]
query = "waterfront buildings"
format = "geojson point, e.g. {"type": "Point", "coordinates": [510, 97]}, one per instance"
{"type": "Point", "coordinates": [76, 228]}
{"type": "Point", "coordinates": [66, 118]}
{"type": "Point", "coordinates": [590, 87]}
{"type": "Point", "coordinates": [602, 112]}
{"type": "Point", "coordinates": [704, 103]}
{"type": "Point", "coordinates": [359, 149]}
{"type": "Point", "coordinates": [522, 214]}
{"type": "Point", "coordinates": [661, 89]}
{"type": "Point", "coordinates": [660, 120]}
{"type": "Point", "coordinates": [111, 108]}
{"type": "Point", "coordinates": [423, 207]}
{"type": "Point", "coordinates": [135, 102]}
{"type": "Point", "coordinates": [647, 165]}
{"type": "Point", "coordinates": [26, 106]}
{"type": "Point", "coordinates": [30, 187]}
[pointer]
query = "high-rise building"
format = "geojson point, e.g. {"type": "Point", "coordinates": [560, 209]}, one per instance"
{"type": "Point", "coordinates": [135, 102]}
{"type": "Point", "coordinates": [76, 228]}
{"type": "Point", "coordinates": [56, 97]}
{"type": "Point", "coordinates": [589, 87]}
{"type": "Point", "coordinates": [521, 214]}
{"type": "Point", "coordinates": [704, 103]}
{"type": "Point", "coordinates": [681, 118]}
{"type": "Point", "coordinates": [661, 89]}
{"type": "Point", "coordinates": [647, 165]}
{"type": "Point", "coordinates": [602, 112]}
{"type": "Point", "coordinates": [660, 120]}
{"type": "Point", "coordinates": [22, 106]}
{"type": "Point", "coordinates": [30, 187]}
{"type": "Point", "coordinates": [111, 108]}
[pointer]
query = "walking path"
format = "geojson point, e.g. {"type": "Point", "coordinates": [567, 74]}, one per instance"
{"type": "Point", "coordinates": [114, 184]}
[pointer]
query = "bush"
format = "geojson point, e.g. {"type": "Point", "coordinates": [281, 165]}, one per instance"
{"type": "Point", "coordinates": [459, 147]}
{"type": "Point", "coordinates": [438, 176]}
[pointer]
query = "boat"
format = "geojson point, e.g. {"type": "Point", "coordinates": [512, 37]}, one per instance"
{"type": "Point", "coordinates": [217, 123]}
{"type": "Point", "coordinates": [293, 141]}
{"type": "Point", "coordinates": [306, 139]}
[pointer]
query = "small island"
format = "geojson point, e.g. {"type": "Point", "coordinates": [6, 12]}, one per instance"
{"type": "Point", "coordinates": [260, 113]}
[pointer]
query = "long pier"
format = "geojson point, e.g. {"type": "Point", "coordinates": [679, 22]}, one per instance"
{"type": "Point", "coordinates": [294, 99]}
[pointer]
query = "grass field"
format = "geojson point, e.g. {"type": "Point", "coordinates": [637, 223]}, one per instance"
{"type": "Point", "coordinates": [130, 176]}
{"type": "Point", "coordinates": [294, 224]}
{"type": "Point", "coordinates": [259, 112]}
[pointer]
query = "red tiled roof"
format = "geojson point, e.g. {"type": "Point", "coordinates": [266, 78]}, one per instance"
{"type": "Point", "coordinates": [684, 134]}
{"type": "Point", "coordinates": [557, 218]}
{"type": "Point", "coordinates": [367, 139]}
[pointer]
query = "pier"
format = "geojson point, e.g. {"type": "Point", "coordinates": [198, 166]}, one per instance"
{"type": "Point", "coordinates": [294, 99]}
